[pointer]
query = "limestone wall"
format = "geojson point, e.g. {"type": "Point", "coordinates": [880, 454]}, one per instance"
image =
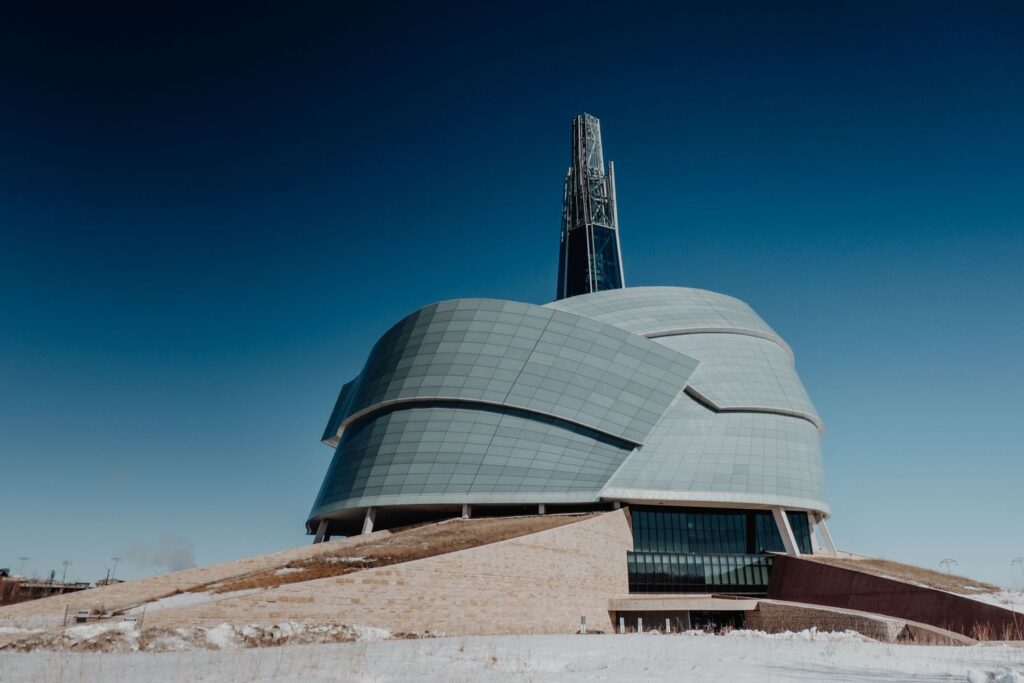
{"type": "Point", "coordinates": [49, 612]}
{"type": "Point", "coordinates": [540, 583]}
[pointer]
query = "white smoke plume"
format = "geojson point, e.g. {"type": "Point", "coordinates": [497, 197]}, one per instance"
{"type": "Point", "coordinates": [173, 553]}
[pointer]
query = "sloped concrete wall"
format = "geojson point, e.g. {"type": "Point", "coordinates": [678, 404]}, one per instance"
{"type": "Point", "coordinates": [540, 583]}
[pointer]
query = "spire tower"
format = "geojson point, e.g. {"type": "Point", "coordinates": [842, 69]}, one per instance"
{"type": "Point", "coordinates": [590, 258]}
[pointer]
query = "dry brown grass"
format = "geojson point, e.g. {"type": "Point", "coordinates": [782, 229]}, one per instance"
{"type": "Point", "coordinates": [910, 573]}
{"type": "Point", "coordinates": [404, 545]}
{"type": "Point", "coordinates": [1007, 632]}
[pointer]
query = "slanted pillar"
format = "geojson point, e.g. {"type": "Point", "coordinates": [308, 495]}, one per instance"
{"type": "Point", "coordinates": [321, 532]}
{"type": "Point", "coordinates": [467, 510]}
{"type": "Point", "coordinates": [827, 547]}
{"type": "Point", "coordinates": [786, 531]}
{"type": "Point", "coordinates": [542, 509]}
{"type": "Point", "coordinates": [371, 517]}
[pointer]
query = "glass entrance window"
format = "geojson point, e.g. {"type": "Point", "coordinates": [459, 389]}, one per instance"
{"type": "Point", "coordinates": [695, 550]}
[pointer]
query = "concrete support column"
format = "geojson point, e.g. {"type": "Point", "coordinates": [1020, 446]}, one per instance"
{"type": "Point", "coordinates": [467, 510]}
{"type": "Point", "coordinates": [321, 531]}
{"type": "Point", "coordinates": [371, 517]}
{"type": "Point", "coordinates": [828, 548]}
{"type": "Point", "coordinates": [542, 509]}
{"type": "Point", "coordinates": [786, 531]}
{"type": "Point", "coordinates": [616, 505]}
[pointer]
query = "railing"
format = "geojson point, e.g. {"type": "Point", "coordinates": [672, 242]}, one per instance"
{"type": "Point", "coordinates": [74, 616]}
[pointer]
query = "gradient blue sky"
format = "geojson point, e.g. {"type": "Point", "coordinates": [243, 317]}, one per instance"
{"type": "Point", "coordinates": [207, 216]}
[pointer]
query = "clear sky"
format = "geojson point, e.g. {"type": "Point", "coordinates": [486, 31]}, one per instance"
{"type": "Point", "coordinates": [207, 217]}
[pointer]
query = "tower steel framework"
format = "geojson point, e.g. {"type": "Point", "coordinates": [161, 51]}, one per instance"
{"type": "Point", "coordinates": [590, 257]}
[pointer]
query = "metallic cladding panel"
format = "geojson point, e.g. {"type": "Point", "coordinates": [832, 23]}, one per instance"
{"type": "Point", "coordinates": [697, 454]}
{"type": "Point", "coordinates": [341, 409]}
{"type": "Point", "coordinates": [482, 401]}
{"type": "Point", "coordinates": [463, 452]}
{"type": "Point", "coordinates": [742, 372]}
{"type": "Point", "coordinates": [525, 356]}
{"type": "Point", "coordinates": [652, 311]}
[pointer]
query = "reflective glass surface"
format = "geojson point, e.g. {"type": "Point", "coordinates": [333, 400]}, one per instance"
{"type": "Point", "coordinates": [684, 550]}
{"type": "Point", "coordinates": [607, 274]}
{"type": "Point", "coordinates": [441, 452]}
{"type": "Point", "coordinates": [674, 573]}
{"type": "Point", "coordinates": [577, 271]}
{"type": "Point", "coordinates": [588, 398]}
{"type": "Point", "coordinates": [801, 526]}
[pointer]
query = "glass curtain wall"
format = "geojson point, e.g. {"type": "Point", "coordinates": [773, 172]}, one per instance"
{"type": "Point", "coordinates": [707, 550]}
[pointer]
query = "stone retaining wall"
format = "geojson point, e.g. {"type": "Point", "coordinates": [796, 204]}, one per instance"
{"type": "Point", "coordinates": [540, 583]}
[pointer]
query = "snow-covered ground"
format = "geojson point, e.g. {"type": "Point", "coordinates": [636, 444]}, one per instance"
{"type": "Point", "coordinates": [183, 599]}
{"type": "Point", "coordinates": [1013, 600]}
{"type": "Point", "coordinates": [737, 658]}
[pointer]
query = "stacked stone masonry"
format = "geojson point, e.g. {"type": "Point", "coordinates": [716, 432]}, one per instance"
{"type": "Point", "coordinates": [50, 612]}
{"type": "Point", "coordinates": [541, 583]}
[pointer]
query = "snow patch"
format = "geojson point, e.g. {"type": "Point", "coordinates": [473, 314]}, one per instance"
{"type": "Point", "coordinates": [11, 630]}
{"type": "Point", "coordinates": [1000, 676]}
{"type": "Point", "coordinates": [186, 599]}
{"type": "Point", "coordinates": [1011, 600]}
{"type": "Point", "coordinates": [344, 560]}
{"type": "Point", "coordinates": [741, 657]}
{"type": "Point", "coordinates": [371, 633]}
{"type": "Point", "coordinates": [90, 631]}
{"type": "Point", "coordinates": [222, 637]}
{"type": "Point", "coordinates": [807, 634]}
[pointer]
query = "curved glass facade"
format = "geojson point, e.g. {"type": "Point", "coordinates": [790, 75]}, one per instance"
{"type": "Point", "coordinates": [443, 452]}
{"type": "Point", "coordinates": [669, 395]}
{"type": "Point", "coordinates": [529, 357]}
{"type": "Point", "coordinates": [697, 455]}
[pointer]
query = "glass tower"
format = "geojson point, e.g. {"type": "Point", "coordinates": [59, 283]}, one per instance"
{"type": "Point", "coordinates": [590, 259]}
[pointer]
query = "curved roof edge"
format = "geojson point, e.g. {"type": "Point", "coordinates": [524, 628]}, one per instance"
{"type": "Point", "coordinates": [710, 405]}
{"type": "Point", "coordinates": [399, 499]}
{"type": "Point", "coordinates": [637, 496]}
{"type": "Point", "coordinates": [715, 499]}
{"type": "Point", "coordinates": [382, 405]}
{"type": "Point", "coordinates": [724, 313]}
{"type": "Point", "coordinates": [746, 332]}
{"type": "Point", "coordinates": [653, 288]}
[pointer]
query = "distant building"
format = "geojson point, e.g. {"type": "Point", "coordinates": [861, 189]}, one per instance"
{"type": "Point", "coordinates": [681, 403]}
{"type": "Point", "coordinates": [14, 589]}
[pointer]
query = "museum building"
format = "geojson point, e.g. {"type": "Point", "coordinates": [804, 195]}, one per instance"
{"type": "Point", "coordinates": [682, 404]}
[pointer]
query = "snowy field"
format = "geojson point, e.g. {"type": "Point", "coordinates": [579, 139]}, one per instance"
{"type": "Point", "coordinates": [737, 658]}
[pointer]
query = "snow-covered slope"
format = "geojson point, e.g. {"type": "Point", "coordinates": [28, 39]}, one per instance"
{"type": "Point", "coordinates": [739, 658]}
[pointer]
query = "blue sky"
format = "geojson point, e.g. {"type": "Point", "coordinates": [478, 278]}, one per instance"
{"type": "Point", "coordinates": [208, 215]}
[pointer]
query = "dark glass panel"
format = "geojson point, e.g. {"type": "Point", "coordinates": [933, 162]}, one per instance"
{"type": "Point", "coordinates": [674, 573]}
{"type": "Point", "coordinates": [801, 526]}
{"type": "Point", "coordinates": [606, 259]}
{"type": "Point", "coordinates": [577, 271]}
